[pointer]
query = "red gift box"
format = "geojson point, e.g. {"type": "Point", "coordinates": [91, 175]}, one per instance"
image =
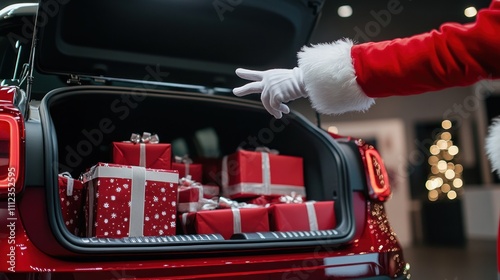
{"type": "Point", "coordinates": [305, 216]}
{"type": "Point", "coordinates": [186, 168]}
{"type": "Point", "coordinates": [70, 195]}
{"type": "Point", "coordinates": [226, 222]}
{"type": "Point", "coordinates": [150, 154]}
{"type": "Point", "coordinates": [250, 173]}
{"type": "Point", "coordinates": [130, 201]}
{"type": "Point", "coordinates": [189, 199]}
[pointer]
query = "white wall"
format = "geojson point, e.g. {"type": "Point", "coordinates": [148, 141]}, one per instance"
{"type": "Point", "coordinates": [481, 209]}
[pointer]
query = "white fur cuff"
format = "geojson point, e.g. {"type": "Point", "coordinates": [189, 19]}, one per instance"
{"type": "Point", "coordinates": [330, 79]}
{"type": "Point", "coordinates": [493, 145]}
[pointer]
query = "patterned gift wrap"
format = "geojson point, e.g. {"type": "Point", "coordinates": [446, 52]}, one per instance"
{"type": "Point", "coordinates": [71, 198]}
{"type": "Point", "coordinates": [130, 201]}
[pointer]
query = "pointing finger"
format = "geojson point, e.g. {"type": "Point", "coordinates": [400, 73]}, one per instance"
{"type": "Point", "coordinates": [254, 87]}
{"type": "Point", "coordinates": [251, 75]}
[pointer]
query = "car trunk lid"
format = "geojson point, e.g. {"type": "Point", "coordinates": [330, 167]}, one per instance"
{"type": "Point", "coordinates": [186, 42]}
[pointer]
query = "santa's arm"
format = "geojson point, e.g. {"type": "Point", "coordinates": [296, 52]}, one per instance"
{"type": "Point", "coordinates": [341, 76]}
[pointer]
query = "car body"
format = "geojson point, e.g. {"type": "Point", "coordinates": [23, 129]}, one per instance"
{"type": "Point", "coordinates": [97, 71]}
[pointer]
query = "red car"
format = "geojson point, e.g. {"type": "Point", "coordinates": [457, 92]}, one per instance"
{"type": "Point", "coordinates": [79, 75]}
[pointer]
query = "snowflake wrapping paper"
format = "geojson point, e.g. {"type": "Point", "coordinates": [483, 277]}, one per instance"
{"type": "Point", "coordinates": [130, 201]}
{"type": "Point", "coordinates": [70, 196]}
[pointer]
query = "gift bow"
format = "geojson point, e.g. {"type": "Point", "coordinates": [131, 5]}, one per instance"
{"type": "Point", "coordinates": [292, 198]}
{"type": "Point", "coordinates": [146, 137]}
{"type": "Point", "coordinates": [225, 203]}
{"type": "Point", "coordinates": [70, 182]}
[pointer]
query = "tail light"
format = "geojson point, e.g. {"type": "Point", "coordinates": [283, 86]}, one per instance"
{"type": "Point", "coordinates": [378, 180]}
{"type": "Point", "coordinates": [12, 146]}
{"type": "Point", "coordinates": [379, 187]}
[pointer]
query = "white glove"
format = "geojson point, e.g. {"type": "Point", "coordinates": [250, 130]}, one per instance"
{"type": "Point", "coordinates": [277, 86]}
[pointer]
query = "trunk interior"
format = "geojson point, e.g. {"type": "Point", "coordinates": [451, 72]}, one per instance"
{"type": "Point", "coordinates": [80, 123]}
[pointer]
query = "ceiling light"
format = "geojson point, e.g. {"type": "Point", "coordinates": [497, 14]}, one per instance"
{"type": "Point", "coordinates": [470, 12]}
{"type": "Point", "coordinates": [344, 11]}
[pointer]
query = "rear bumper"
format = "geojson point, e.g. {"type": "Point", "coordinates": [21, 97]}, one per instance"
{"type": "Point", "coordinates": [361, 259]}
{"type": "Point", "coordinates": [219, 268]}
{"type": "Point", "coordinates": [25, 260]}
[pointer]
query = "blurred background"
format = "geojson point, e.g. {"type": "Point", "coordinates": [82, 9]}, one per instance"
{"type": "Point", "coordinates": [446, 201]}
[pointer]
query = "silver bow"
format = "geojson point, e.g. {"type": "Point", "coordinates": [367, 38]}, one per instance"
{"type": "Point", "coordinates": [146, 137]}
{"type": "Point", "coordinates": [292, 198]}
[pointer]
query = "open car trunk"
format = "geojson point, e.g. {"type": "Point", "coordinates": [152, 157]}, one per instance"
{"type": "Point", "coordinates": [80, 123]}
{"type": "Point", "coordinates": [121, 73]}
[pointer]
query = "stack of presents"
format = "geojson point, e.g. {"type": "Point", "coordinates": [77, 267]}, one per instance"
{"type": "Point", "coordinates": [147, 191]}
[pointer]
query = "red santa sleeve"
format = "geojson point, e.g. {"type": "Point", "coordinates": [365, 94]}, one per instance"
{"type": "Point", "coordinates": [342, 76]}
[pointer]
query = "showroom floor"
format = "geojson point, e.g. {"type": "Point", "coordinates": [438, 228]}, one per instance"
{"type": "Point", "coordinates": [475, 261]}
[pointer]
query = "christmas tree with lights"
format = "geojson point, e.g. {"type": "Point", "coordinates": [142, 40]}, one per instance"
{"type": "Point", "coordinates": [445, 178]}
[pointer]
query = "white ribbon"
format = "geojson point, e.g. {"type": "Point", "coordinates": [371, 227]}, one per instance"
{"type": "Point", "coordinates": [125, 172]}
{"type": "Point", "coordinates": [90, 194]}
{"type": "Point", "coordinates": [69, 186]}
{"type": "Point", "coordinates": [236, 220]}
{"type": "Point", "coordinates": [225, 175]}
{"type": "Point", "coordinates": [184, 222]}
{"type": "Point", "coordinates": [69, 182]}
{"type": "Point", "coordinates": [256, 188]}
{"type": "Point", "coordinates": [266, 173]}
{"type": "Point", "coordinates": [142, 154]}
{"type": "Point", "coordinates": [311, 215]}
{"type": "Point", "coordinates": [137, 199]}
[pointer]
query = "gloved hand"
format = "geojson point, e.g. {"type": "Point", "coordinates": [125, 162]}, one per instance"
{"type": "Point", "coordinates": [277, 86]}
